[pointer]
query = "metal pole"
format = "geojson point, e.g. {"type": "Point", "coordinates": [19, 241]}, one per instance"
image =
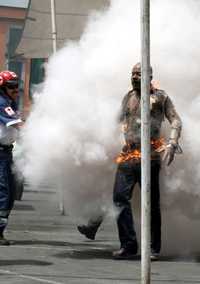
{"type": "Point", "coordinates": [53, 26]}
{"type": "Point", "coordinates": [145, 143]}
{"type": "Point", "coordinates": [54, 43]}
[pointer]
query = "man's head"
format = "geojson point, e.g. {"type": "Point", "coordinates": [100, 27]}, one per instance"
{"type": "Point", "coordinates": [136, 76]}
{"type": "Point", "coordinates": [9, 84]}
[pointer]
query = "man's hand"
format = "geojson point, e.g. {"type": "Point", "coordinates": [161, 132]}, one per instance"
{"type": "Point", "coordinates": [169, 152]}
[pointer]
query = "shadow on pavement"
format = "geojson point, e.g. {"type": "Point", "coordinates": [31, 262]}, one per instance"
{"type": "Point", "coordinates": [58, 243]}
{"type": "Point", "coordinates": [89, 254]}
{"type": "Point", "coordinates": [180, 258]}
{"type": "Point", "coordinates": [107, 254]}
{"type": "Point", "coordinates": [85, 254]}
{"type": "Point", "coordinates": [24, 262]}
{"type": "Point", "coordinates": [24, 207]}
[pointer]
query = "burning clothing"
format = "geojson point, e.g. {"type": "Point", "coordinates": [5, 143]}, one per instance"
{"type": "Point", "coordinates": [129, 160]}
{"type": "Point", "coordinates": [161, 107]}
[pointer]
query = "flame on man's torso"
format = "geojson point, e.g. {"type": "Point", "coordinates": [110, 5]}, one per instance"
{"type": "Point", "coordinates": [158, 146]}
{"type": "Point", "coordinates": [131, 126]}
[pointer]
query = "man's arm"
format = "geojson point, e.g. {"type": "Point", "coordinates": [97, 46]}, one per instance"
{"type": "Point", "coordinates": [176, 126]}
{"type": "Point", "coordinates": [175, 121]}
{"type": "Point", "coordinates": [18, 125]}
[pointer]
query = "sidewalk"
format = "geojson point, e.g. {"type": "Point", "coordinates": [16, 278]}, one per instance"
{"type": "Point", "coordinates": [48, 249]}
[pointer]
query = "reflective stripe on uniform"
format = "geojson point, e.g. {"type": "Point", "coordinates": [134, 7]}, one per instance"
{"type": "Point", "coordinates": [4, 213]}
{"type": "Point", "coordinates": [3, 222]}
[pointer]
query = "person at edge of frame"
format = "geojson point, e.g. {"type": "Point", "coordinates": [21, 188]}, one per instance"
{"type": "Point", "coordinates": [129, 172]}
{"type": "Point", "coordinates": [10, 122]}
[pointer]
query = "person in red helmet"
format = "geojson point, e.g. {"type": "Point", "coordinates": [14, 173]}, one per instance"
{"type": "Point", "coordinates": [10, 122]}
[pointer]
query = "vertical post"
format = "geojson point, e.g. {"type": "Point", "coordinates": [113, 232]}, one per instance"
{"type": "Point", "coordinates": [54, 44]}
{"type": "Point", "coordinates": [26, 96]}
{"type": "Point", "coordinates": [3, 32]}
{"type": "Point", "coordinates": [145, 142]}
{"type": "Point", "coordinates": [53, 25]}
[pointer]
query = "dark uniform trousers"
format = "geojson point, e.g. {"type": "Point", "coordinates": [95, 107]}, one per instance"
{"type": "Point", "coordinates": [7, 186]}
{"type": "Point", "coordinates": [128, 174]}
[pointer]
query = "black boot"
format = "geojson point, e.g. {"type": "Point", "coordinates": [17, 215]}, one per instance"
{"type": "Point", "coordinates": [91, 228]}
{"type": "Point", "coordinates": [125, 253]}
{"type": "Point", "coordinates": [155, 254]}
{"type": "Point", "coordinates": [3, 240]}
{"type": "Point", "coordinates": [88, 231]}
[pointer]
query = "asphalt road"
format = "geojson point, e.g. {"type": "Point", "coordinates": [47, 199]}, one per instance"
{"type": "Point", "coordinates": [48, 249]}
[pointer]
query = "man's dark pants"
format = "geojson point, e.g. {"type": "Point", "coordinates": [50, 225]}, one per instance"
{"type": "Point", "coordinates": [7, 187]}
{"type": "Point", "coordinates": [128, 174]}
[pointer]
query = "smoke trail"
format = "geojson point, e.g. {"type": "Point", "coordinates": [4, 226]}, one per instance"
{"type": "Point", "coordinates": [72, 136]}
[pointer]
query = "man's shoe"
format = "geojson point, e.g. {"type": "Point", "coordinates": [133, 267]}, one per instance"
{"type": "Point", "coordinates": [4, 241]}
{"type": "Point", "coordinates": [124, 254]}
{"type": "Point", "coordinates": [154, 255]}
{"type": "Point", "coordinates": [87, 231]}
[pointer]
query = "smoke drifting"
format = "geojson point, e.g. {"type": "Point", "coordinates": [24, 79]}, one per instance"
{"type": "Point", "coordinates": [72, 136]}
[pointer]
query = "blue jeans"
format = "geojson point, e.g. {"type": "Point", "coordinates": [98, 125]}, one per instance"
{"type": "Point", "coordinates": [128, 174]}
{"type": "Point", "coordinates": [7, 188]}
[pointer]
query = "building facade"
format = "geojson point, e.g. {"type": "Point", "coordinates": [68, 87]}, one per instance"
{"type": "Point", "coordinates": [35, 45]}
{"type": "Point", "coordinates": [12, 20]}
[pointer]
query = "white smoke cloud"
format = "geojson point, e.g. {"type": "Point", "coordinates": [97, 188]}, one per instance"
{"type": "Point", "coordinates": [72, 135]}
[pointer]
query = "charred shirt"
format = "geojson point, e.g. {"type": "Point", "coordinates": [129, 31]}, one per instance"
{"type": "Point", "coordinates": [8, 118]}
{"type": "Point", "coordinates": [161, 106]}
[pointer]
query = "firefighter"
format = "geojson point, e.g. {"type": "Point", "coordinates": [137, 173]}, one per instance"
{"type": "Point", "coordinates": [10, 122]}
{"type": "Point", "coordinates": [129, 171]}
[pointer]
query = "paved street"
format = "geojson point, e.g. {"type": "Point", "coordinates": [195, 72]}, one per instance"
{"type": "Point", "coordinates": [47, 249]}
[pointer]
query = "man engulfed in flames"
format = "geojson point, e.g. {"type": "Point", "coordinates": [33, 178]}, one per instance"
{"type": "Point", "coordinates": [129, 164]}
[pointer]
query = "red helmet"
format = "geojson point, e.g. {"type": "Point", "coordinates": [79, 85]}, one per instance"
{"type": "Point", "coordinates": [8, 77]}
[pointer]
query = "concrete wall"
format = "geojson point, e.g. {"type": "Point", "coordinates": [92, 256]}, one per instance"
{"type": "Point", "coordinates": [71, 17]}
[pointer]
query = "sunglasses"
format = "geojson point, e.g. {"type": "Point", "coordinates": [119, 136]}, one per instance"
{"type": "Point", "coordinates": [12, 86]}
